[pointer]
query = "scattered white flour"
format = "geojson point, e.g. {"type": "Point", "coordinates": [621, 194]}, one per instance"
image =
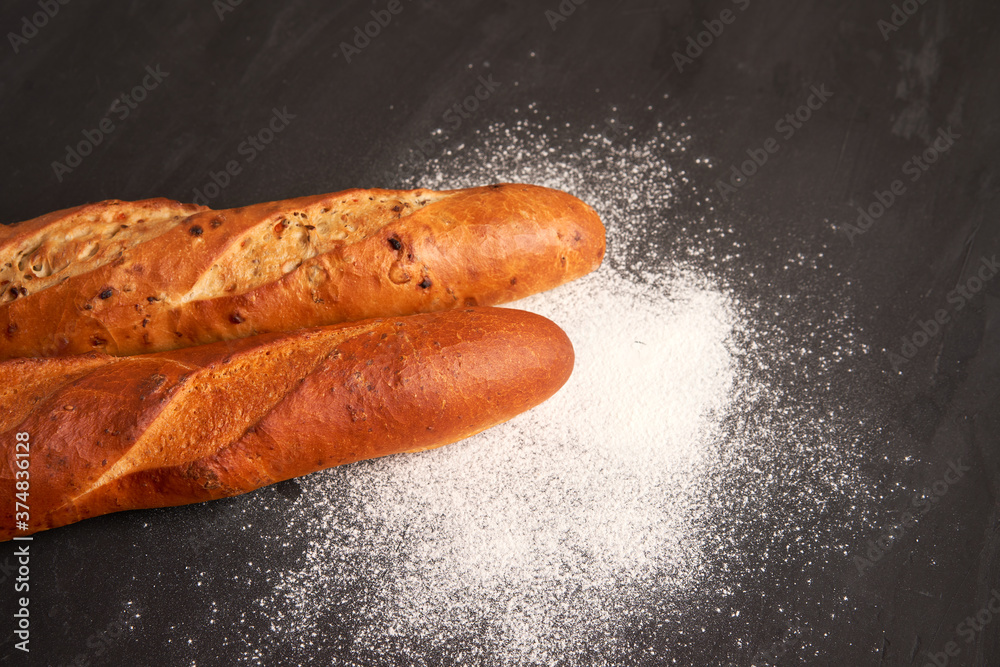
{"type": "Point", "coordinates": [695, 439]}
{"type": "Point", "coordinates": [542, 534]}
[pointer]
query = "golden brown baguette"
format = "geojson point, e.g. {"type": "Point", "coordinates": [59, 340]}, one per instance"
{"type": "Point", "coordinates": [116, 433]}
{"type": "Point", "coordinates": [306, 262]}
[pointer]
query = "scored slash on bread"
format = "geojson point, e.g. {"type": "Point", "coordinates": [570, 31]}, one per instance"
{"type": "Point", "coordinates": [42, 252]}
{"type": "Point", "coordinates": [118, 433]}
{"type": "Point", "coordinates": [131, 278]}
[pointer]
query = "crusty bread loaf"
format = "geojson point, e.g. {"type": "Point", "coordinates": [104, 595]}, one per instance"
{"type": "Point", "coordinates": [116, 433]}
{"type": "Point", "coordinates": [281, 266]}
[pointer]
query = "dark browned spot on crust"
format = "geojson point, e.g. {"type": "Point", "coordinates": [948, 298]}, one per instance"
{"type": "Point", "coordinates": [145, 321]}
{"type": "Point", "coordinates": [216, 222]}
{"type": "Point", "coordinates": [578, 236]}
{"type": "Point", "coordinates": [513, 281]}
{"type": "Point", "coordinates": [97, 341]}
{"type": "Point", "coordinates": [395, 243]}
{"type": "Point", "coordinates": [23, 291]}
{"type": "Point", "coordinates": [13, 292]}
{"type": "Point", "coordinates": [151, 384]}
{"type": "Point", "coordinates": [196, 230]}
{"type": "Point", "coordinates": [425, 283]}
{"type": "Point", "coordinates": [310, 227]}
{"type": "Point", "coordinates": [151, 299]}
{"type": "Point", "coordinates": [496, 186]}
{"type": "Point", "coordinates": [106, 293]}
{"type": "Point", "coordinates": [11, 329]}
{"type": "Point", "coordinates": [236, 318]}
{"type": "Point", "coordinates": [87, 306]}
{"type": "Point", "coordinates": [397, 208]}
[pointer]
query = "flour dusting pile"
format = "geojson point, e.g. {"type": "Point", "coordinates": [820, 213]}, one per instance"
{"type": "Point", "coordinates": [629, 499]}
{"type": "Point", "coordinates": [540, 535]}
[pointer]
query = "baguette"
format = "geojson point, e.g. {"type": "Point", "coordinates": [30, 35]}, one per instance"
{"type": "Point", "coordinates": [110, 433]}
{"type": "Point", "coordinates": [281, 266]}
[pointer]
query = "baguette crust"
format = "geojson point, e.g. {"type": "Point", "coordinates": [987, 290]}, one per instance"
{"type": "Point", "coordinates": [42, 252]}
{"type": "Point", "coordinates": [309, 262]}
{"type": "Point", "coordinates": [110, 434]}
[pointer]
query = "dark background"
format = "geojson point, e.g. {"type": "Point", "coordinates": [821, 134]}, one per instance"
{"type": "Point", "coordinates": [358, 124]}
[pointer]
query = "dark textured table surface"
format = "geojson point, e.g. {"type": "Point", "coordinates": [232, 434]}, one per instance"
{"type": "Point", "coordinates": [874, 215]}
